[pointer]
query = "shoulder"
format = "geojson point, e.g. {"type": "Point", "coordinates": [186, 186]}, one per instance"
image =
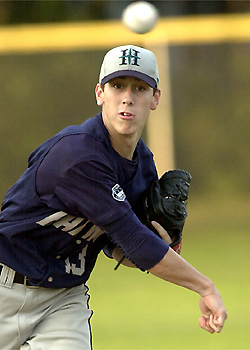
{"type": "Point", "coordinates": [88, 139]}
{"type": "Point", "coordinates": [93, 127]}
{"type": "Point", "coordinates": [74, 143]}
{"type": "Point", "coordinates": [79, 143]}
{"type": "Point", "coordinates": [146, 161]}
{"type": "Point", "coordinates": [143, 150]}
{"type": "Point", "coordinates": [90, 136]}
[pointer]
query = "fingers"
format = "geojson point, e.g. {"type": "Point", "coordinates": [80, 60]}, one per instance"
{"type": "Point", "coordinates": [211, 323]}
{"type": "Point", "coordinates": [204, 323]}
{"type": "Point", "coordinates": [216, 323]}
{"type": "Point", "coordinates": [162, 232]}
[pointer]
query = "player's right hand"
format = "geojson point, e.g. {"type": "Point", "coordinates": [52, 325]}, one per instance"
{"type": "Point", "coordinates": [213, 311]}
{"type": "Point", "coordinates": [162, 232]}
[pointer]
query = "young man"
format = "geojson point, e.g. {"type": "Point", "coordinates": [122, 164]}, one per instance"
{"type": "Point", "coordinates": [79, 195]}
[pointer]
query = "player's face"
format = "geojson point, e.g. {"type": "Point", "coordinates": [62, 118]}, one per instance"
{"type": "Point", "coordinates": [126, 104]}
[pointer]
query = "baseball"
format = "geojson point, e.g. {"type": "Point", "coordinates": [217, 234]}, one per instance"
{"type": "Point", "coordinates": [140, 17]}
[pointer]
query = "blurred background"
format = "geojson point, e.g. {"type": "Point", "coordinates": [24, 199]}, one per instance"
{"type": "Point", "coordinates": [50, 56]}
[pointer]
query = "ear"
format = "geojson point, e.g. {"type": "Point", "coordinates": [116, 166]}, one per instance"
{"type": "Point", "coordinates": [155, 100]}
{"type": "Point", "coordinates": [99, 94]}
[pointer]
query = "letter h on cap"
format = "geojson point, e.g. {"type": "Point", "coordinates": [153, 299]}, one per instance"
{"type": "Point", "coordinates": [130, 58]}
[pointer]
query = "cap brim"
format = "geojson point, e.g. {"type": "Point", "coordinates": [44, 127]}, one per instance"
{"type": "Point", "coordinates": [133, 73]}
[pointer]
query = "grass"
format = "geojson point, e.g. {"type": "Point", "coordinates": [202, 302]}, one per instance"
{"type": "Point", "coordinates": [134, 310]}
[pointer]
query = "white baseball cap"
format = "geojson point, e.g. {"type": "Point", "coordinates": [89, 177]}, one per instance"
{"type": "Point", "coordinates": [130, 60]}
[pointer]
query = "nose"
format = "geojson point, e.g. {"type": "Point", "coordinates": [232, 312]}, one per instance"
{"type": "Point", "coordinates": [127, 97]}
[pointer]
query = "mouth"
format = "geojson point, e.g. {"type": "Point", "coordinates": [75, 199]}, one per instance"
{"type": "Point", "coordinates": [127, 115]}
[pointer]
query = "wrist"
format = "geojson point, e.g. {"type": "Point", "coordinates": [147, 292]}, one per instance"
{"type": "Point", "coordinates": [206, 288]}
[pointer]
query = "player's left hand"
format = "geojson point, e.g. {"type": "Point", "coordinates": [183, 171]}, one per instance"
{"type": "Point", "coordinates": [164, 201]}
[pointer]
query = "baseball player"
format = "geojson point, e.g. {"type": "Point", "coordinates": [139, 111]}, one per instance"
{"type": "Point", "coordinates": [79, 196]}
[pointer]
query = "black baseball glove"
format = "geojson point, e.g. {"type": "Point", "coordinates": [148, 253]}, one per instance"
{"type": "Point", "coordinates": [165, 203]}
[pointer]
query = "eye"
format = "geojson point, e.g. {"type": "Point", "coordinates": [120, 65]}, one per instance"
{"type": "Point", "coordinates": [140, 88]}
{"type": "Point", "coordinates": [117, 85]}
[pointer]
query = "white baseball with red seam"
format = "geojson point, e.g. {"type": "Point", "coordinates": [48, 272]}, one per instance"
{"type": "Point", "coordinates": [140, 17]}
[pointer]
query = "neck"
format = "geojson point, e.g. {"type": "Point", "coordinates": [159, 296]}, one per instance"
{"type": "Point", "coordinates": [125, 145]}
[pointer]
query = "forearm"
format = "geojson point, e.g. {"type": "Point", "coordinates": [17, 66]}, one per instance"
{"type": "Point", "coordinates": [175, 269]}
